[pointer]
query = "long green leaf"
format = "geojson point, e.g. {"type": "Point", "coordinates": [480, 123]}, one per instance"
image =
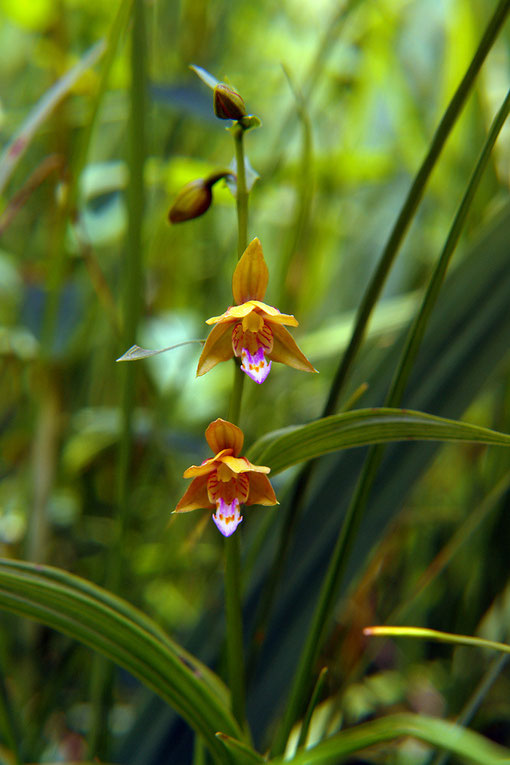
{"type": "Point", "coordinates": [442, 637]}
{"type": "Point", "coordinates": [471, 746]}
{"type": "Point", "coordinates": [283, 448]}
{"type": "Point", "coordinates": [115, 629]}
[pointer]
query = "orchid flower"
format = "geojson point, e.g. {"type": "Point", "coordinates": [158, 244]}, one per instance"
{"type": "Point", "coordinates": [252, 330]}
{"type": "Point", "coordinates": [226, 481]}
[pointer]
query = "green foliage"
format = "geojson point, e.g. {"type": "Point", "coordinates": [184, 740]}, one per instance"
{"type": "Point", "coordinates": [366, 151]}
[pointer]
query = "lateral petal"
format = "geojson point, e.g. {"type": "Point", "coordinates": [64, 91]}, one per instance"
{"type": "Point", "coordinates": [242, 465]}
{"type": "Point", "coordinates": [206, 466]}
{"type": "Point", "coordinates": [233, 313]}
{"type": "Point", "coordinates": [261, 491]}
{"type": "Point", "coordinates": [251, 275]}
{"type": "Point", "coordinates": [195, 496]}
{"type": "Point", "coordinates": [221, 435]}
{"type": "Point", "coordinates": [275, 316]}
{"type": "Point", "coordinates": [286, 351]}
{"type": "Point", "coordinates": [218, 347]}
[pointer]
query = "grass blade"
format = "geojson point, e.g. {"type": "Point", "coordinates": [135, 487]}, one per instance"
{"type": "Point", "coordinates": [460, 741]}
{"type": "Point", "coordinates": [119, 632]}
{"type": "Point", "coordinates": [442, 637]}
{"type": "Point", "coordinates": [361, 427]}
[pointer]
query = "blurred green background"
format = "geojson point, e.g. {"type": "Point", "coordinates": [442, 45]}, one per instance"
{"type": "Point", "coordinates": [374, 81]}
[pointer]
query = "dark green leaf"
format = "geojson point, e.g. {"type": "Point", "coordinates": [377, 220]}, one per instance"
{"type": "Point", "coordinates": [289, 446]}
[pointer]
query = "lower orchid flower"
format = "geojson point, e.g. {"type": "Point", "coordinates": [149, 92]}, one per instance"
{"type": "Point", "coordinates": [252, 330]}
{"type": "Point", "coordinates": [226, 481]}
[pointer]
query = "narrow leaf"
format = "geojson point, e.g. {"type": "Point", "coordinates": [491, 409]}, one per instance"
{"type": "Point", "coordinates": [136, 352]}
{"type": "Point", "coordinates": [444, 637]}
{"type": "Point", "coordinates": [460, 741]}
{"type": "Point", "coordinates": [120, 632]}
{"type": "Point", "coordinates": [40, 112]}
{"type": "Point", "coordinates": [283, 448]}
{"type": "Point", "coordinates": [205, 76]}
{"type": "Point", "coordinates": [317, 691]}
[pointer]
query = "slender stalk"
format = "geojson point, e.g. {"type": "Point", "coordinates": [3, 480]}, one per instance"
{"type": "Point", "coordinates": [242, 193]}
{"type": "Point", "coordinates": [354, 513]}
{"type": "Point", "coordinates": [102, 679]}
{"type": "Point", "coordinates": [317, 691]}
{"type": "Point", "coordinates": [235, 658]}
{"type": "Point", "coordinates": [234, 411]}
{"type": "Point", "coordinates": [233, 608]}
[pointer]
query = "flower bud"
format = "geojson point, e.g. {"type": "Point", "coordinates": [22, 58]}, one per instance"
{"type": "Point", "coordinates": [228, 105]}
{"type": "Point", "coordinates": [193, 200]}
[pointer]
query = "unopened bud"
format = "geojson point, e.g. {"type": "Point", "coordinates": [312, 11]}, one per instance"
{"type": "Point", "coordinates": [228, 105]}
{"type": "Point", "coordinates": [193, 200]}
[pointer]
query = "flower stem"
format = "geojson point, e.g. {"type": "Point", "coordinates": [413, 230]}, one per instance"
{"type": "Point", "coordinates": [233, 610]}
{"type": "Point", "coordinates": [234, 411]}
{"type": "Point", "coordinates": [235, 657]}
{"type": "Point", "coordinates": [242, 193]}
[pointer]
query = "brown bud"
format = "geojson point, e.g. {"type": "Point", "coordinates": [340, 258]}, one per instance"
{"type": "Point", "coordinates": [228, 105]}
{"type": "Point", "coordinates": [193, 200]}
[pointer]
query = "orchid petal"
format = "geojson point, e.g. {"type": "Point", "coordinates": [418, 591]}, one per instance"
{"type": "Point", "coordinates": [286, 351]}
{"type": "Point", "coordinates": [227, 517]}
{"type": "Point", "coordinates": [276, 317]}
{"type": "Point", "coordinates": [261, 491]}
{"type": "Point", "coordinates": [207, 465]}
{"type": "Point", "coordinates": [243, 465]}
{"type": "Point", "coordinates": [233, 313]}
{"type": "Point", "coordinates": [218, 347]}
{"type": "Point", "coordinates": [256, 366]}
{"type": "Point", "coordinates": [251, 275]}
{"type": "Point", "coordinates": [195, 497]}
{"type": "Point", "coordinates": [221, 435]}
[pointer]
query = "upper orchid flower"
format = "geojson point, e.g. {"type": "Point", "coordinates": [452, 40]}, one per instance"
{"type": "Point", "coordinates": [226, 481]}
{"type": "Point", "coordinates": [251, 329]}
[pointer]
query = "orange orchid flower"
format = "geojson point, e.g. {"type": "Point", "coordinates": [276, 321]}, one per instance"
{"type": "Point", "coordinates": [251, 329]}
{"type": "Point", "coordinates": [226, 480]}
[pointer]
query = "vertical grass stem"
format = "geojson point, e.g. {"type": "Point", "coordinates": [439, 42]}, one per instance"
{"type": "Point", "coordinates": [102, 680]}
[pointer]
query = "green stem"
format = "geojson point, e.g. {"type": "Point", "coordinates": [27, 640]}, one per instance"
{"type": "Point", "coordinates": [242, 193]}
{"type": "Point", "coordinates": [354, 513]}
{"type": "Point", "coordinates": [234, 412]}
{"type": "Point", "coordinates": [102, 679]}
{"type": "Point", "coordinates": [317, 691]}
{"type": "Point", "coordinates": [235, 658]}
{"type": "Point", "coordinates": [233, 608]}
